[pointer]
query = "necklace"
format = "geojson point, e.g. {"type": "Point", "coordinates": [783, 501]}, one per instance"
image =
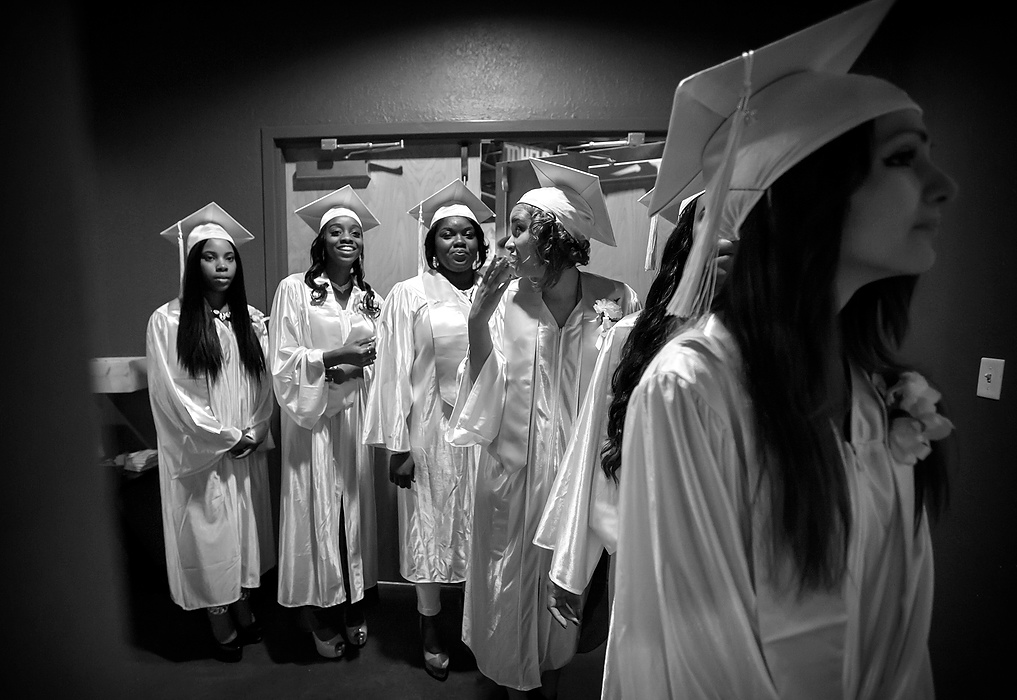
{"type": "Point", "coordinates": [223, 316]}
{"type": "Point", "coordinates": [342, 288]}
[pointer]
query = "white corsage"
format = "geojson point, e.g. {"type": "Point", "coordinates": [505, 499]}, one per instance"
{"type": "Point", "coordinates": [914, 420]}
{"type": "Point", "coordinates": [610, 313]}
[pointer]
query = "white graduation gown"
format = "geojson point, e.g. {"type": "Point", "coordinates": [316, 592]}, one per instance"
{"type": "Point", "coordinates": [522, 408]}
{"type": "Point", "coordinates": [422, 339]}
{"type": "Point", "coordinates": [327, 480]}
{"type": "Point", "coordinates": [580, 519]}
{"type": "Point", "coordinates": [216, 510]}
{"type": "Point", "coordinates": [698, 613]}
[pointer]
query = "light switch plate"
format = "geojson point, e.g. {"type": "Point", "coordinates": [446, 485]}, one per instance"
{"type": "Point", "coordinates": [990, 378]}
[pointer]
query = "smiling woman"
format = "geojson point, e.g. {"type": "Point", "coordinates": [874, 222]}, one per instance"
{"type": "Point", "coordinates": [321, 351]}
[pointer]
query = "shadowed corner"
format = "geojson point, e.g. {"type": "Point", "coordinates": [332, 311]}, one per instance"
{"type": "Point", "coordinates": [63, 620]}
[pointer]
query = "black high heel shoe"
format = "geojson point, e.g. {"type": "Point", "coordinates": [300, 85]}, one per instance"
{"type": "Point", "coordinates": [252, 634]}
{"type": "Point", "coordinates": [227, 652]}
{"type": "Point", "coordinates": [248, 627]}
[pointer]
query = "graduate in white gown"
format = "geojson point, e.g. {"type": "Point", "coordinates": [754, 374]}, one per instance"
{"type": "Point", "coordinates": [211, 399]}
{"type": "Point", "coordinates": [580, 519]}
{"type": "Point", "coordinates": [422, 340]}
{"type": "Point", "coordinates": [321, 349]}
{"type": "Point", "coordinates": [778, 475]}
{"type": "Point", "coordinates": [533, 346]}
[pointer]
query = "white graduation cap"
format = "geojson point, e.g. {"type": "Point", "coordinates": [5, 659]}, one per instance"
{"type": "Point", "coordinates": [669, 213]}
{"type": "Point", "coordinates": [742, 124]}
{"type": "Point", "coordinates": [454, 199]}
{"type": "Point", "coordinates": [575, 197]}
{"type": "Point", "coordinates": [211, 221]}
{"type": "Point", "coordinates": [341, 202]}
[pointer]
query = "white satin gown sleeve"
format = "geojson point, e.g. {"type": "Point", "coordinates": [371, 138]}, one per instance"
{"type": "Point", "coordinates": [181, 404]}
{"type": "Point", "coordinates": [216, 510]}
{"type": "Point", "coordinates": [298, 372]}
{"type": "Point", "coordinates": [390, 398]}
{"type": "Point", "coordinates": [477, 416]}
{"type": "Point", "coordinates": [580, 517]}
{"type": "Point", "coordinates": [683, 622]}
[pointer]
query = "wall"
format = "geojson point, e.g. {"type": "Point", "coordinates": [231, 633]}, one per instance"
{"type": "Point", "coordinates": [179, 123]}
{"type": "Point", "coordinates": [964, 311]}
{"type": "Point", "coordinates": [176, 116]}
{"type": "Point", "coordinates": [58, 539]}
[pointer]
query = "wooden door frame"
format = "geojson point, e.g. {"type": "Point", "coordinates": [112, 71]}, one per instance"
{"type": "Point", "coordinates": [273, 166]}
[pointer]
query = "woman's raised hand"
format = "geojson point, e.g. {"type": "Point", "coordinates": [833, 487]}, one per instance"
{"type": "Point", "coordinates": [492, 285]}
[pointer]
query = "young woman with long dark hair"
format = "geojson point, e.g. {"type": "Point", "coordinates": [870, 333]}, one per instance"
{"type": "Point", "coordinates": [422, 339]}
{"type": "Point", "coordinates": [322, 347]}
{"type": "Point", "coordinates": [532, 347]}
{"type": "Point", "coordinates": [778, 467]}
{"type": "Point", "coordinates": [579, 522]}
{"type": "Point", "coordinates": [212, 403]}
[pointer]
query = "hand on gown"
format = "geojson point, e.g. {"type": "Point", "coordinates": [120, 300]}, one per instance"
{"type": "Point", "coordinates": [343, 373]}
{"type": "Point", "coordinates": [400, 469]}
{"type": "Point", "coordinates": [564, 606]}
{"type": "Point", "coordinates": [245, 446]}
{"type": "Point", "coordinates": [359, 353]}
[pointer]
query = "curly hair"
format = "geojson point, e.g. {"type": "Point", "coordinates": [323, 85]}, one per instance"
{"type": "Point", "coordinates": [368, 305]}
{"type": "Point", "coordinates": [651, 330]}
{"type": "Point", "coordinates": [556, 248]}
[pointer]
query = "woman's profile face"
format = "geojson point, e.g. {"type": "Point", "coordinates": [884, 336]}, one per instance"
{"type": "Point", "coordinates": [894, 216]}
{"type": "Point", "coordinates": [699, 222]}
{"type": "Point", "coordinates": [344, 240]}
{"type": "Point", "coordinates": [456, 244]}
{"type": "Point", "coordinates": [218, 264]}
{"type": "Point", "coordinates": [521, 245]}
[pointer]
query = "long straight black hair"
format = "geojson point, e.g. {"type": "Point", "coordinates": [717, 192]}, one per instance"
{"type": "Point", "coordinates": [198, 347]}
{"type": "Point", "coordinates": [651, 330]}
{"type": "Point", "coordinates": [368, 304]}
{"type": "Point", "coordinates": [778, 302]}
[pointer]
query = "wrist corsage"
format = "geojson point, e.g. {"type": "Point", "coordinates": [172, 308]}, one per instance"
{"type": "Point", "coordinates": [913, 419]}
